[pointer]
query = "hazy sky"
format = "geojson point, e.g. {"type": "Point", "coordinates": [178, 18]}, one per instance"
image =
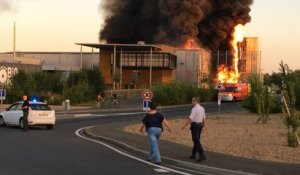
{"type": "Point", "coordinates": [55, 25]}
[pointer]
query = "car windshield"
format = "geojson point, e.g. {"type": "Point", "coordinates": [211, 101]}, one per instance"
{"type": "Point", "coordinates": [40, 107]}
{"type": "Point", "coordinates": [229, 89]}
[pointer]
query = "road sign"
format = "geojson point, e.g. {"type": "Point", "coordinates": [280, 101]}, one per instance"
{"type": "Point", "coordinates": [146, 105]}
{"type": "Point", "coordinates": [220, 87]}
{"type": "Point", "coordinates": [219, 98]}
{"type": "Point", "coordinates": [2, 94]}
{"type": "Point", "coordinates": [147, 94]}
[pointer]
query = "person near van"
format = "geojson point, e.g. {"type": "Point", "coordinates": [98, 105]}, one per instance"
{"type": "Point", "coordinates": [197, 121]}
{"type": "Point", "coordinates": [25, 109]}
{"type": "Point", "coordinates": [153, 123]}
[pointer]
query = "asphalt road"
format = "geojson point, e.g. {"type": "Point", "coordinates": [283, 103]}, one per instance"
{"type": "Point", "coordinates": [61, 152]}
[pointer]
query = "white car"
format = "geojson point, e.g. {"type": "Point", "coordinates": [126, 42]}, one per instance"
{"type": "Point", "coordinates": [39, 114]}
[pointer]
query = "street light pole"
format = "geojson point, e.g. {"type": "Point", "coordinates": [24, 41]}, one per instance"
{"type": "Point", "coordinates": [114, 67]}
{"type": "Point", "coordinates": [151, 64]}
{"type": "Point", "coordinates": [14, 45]}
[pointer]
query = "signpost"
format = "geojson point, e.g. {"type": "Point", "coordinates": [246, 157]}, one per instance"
{"type": "Point", "coordinates": [219, 87]}
{"type": "Point", "coordinates": [147, 96]}
{"type": "Point", "coordinates": [2, 95]}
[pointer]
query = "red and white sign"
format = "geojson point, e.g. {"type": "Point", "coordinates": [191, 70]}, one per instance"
{"type": "Point", "coordinates": [147, 94]}
{"type": "Point", "coordinates": [220, 87]}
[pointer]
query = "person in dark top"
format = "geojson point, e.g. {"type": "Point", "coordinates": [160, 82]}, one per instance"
{"type": "Point", "coordinates": [153, 124]}
{"type": "Point", "coordinates": [114, 99]}
{"type": "Point", "coordinates": [25, 108]}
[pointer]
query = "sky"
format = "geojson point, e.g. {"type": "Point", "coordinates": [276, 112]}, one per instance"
{"type": "Point", "coordinates": [55, 25]}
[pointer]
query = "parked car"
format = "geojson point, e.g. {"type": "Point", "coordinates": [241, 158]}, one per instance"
{"type": "Point", "coordinates": [39, 114]}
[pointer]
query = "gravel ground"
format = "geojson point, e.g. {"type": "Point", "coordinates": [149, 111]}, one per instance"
{"type": "Point", "coordinates": [238, 135]}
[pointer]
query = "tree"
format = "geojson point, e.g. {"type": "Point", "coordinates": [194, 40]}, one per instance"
{"type": "Point", "coordinates": [290, 115]}
{"type": "Point", "coordinates": [47, 82]}
{"type": "Point", "coordinates": [21, 84]}
{"type": "Point", "coordinates": [83, 86]}
{"type": "Point", "coordinates": [263, 98]}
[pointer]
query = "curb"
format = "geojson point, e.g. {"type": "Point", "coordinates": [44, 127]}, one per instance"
{"type": "Point", "coordinates": [178, 163]}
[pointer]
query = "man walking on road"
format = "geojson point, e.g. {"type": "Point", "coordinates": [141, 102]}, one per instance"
{"type": "Point", "coordinates": [197, 120]}
{"type": "Point", "coordinates": [25, 108]}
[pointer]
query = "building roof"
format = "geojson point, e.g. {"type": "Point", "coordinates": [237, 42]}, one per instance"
{"type": "Point", "coordinates": [125, 47]}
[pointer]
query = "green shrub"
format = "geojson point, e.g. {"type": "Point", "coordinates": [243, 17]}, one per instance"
{"type": "Point", "coordinates": [81, 92]}
{"type": "Point", "coordinates": [20, 84]}
{"type": "Point", "coordinates": [80, 86]}
{"type": "Point", "coordinates": [177, 93]}
{"type": "Point", "coordinates": [249, 103]}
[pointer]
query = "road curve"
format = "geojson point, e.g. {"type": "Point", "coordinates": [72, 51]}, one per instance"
{"type": "Point", "coordinates": [61, 152]}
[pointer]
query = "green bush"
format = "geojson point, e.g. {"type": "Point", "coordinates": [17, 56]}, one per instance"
{"type": "Point", "coordinates": [249, 103]}
{"type": "Point", "coordinates": [81, 92]}
{"type": "Point", "coordinates": [20, 84]}
{"type": "Point", "coordinates": [80, 86]}
{"type": "Point", "coordinates": [178, 93]}
{"type": "Point", "coordinates": [83, 86]}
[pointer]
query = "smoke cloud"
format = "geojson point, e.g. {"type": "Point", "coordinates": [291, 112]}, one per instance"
{"type": "Point", "coordinates": [209, 22]}
{"type": "Point", "coordinates": [4, 5]}
{"type": "Point", "coordinates": [215, 31]}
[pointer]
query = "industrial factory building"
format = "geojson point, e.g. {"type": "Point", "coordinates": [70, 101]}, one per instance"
{"type": "Point", "coordinates": [11, 63]}
{"type": "Point", "coordinates": [249, 55]}
{"type": "Point", "coordinates": [193, 66]}
{"type": "Point", "coordinates": [250, 58]}
{"type": "Point", "coordinates": [135, 65]}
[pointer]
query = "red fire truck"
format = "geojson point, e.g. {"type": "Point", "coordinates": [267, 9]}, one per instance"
{"type": "Point", "coordinates": [234, 91]}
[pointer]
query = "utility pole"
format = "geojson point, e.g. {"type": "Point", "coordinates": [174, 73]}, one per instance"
{"type": "Point", "coordinates": [151, 65]}
{"type": "Point", "coordinates": [81, 57]}
{"type": "Point", "coordinates": [114, 67]}
{"type": "Point", "coordinates": [14, 44]}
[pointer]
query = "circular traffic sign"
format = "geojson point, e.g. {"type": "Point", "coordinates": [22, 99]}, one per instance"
{"type": "Point", "coordinates": [147, 94]}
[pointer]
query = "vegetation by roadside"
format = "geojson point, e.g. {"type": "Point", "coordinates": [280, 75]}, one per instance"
{"type": "Point", "coordinates": [177, 93]}
{"type": "Point", "coordinates": [79, 87]}
{"type": "Point", "coordinates": [266, 98]}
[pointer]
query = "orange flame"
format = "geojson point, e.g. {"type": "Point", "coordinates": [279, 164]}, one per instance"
{"type": "Point", "coordinates": [191, 44]}
{"type": "Point", "coordinates": [228, 75]}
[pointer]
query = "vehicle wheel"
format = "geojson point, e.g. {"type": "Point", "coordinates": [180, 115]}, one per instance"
{"type": "Point", "coordinates": [50, 127]}
{"type": "Point", "coordinates": [21, 124]}
{"type": "Point", "coordinates": [2, 123]}
{"type": "Point", "coordinates": [234, 99]}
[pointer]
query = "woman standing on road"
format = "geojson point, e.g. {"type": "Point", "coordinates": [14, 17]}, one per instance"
{"type": "Point", "coordinates": [153, 124]}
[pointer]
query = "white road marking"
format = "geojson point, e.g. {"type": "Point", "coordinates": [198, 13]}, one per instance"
{"type": "Point", "coordinates": [118, 114]}
{"type": "Point", "coordinates": [82, 115]}
{"type": "Point", "coordinates": [107, 115]}
{"type": "Point", "coordinates": [128, 155]}
{"type": "Point", "coordinates": [159, 170]}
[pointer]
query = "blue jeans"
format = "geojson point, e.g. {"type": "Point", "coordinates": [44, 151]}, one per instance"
{"type": "Point", "coordinates": [153, 136]}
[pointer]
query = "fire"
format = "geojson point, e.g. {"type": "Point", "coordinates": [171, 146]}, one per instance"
{"type": "Point", "coordinates": [226, 75]}
{"type": "Point", "coordinates": [231, 75]}
{"type": "Point", "coordinates": [191, 44]}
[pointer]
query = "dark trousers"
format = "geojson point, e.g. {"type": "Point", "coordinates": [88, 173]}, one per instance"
{"type": "Point", "coordinates": [25, 120]}
{"type": "Point", "coordinates": [196, 129]}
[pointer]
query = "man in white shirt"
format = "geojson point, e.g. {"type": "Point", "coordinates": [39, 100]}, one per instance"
{"type": "Point", "coordinates": [197, 120]}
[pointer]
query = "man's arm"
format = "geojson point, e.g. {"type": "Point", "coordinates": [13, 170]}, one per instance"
{"type": "Point", "coordinates": [167, 124]}
{"type": "Point", "coordinates": [188, 122]}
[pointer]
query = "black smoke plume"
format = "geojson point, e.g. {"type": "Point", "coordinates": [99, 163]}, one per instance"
{"type": "Point", "coordinates": [209, 22]}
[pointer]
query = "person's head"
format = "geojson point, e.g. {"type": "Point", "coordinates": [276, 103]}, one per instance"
{"type": "Point", "coordinates": [152, 105]}
{"type": "Point", "coordinates": [25, 97]}
{"type": "Point", "coordinates": [195, 100]}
